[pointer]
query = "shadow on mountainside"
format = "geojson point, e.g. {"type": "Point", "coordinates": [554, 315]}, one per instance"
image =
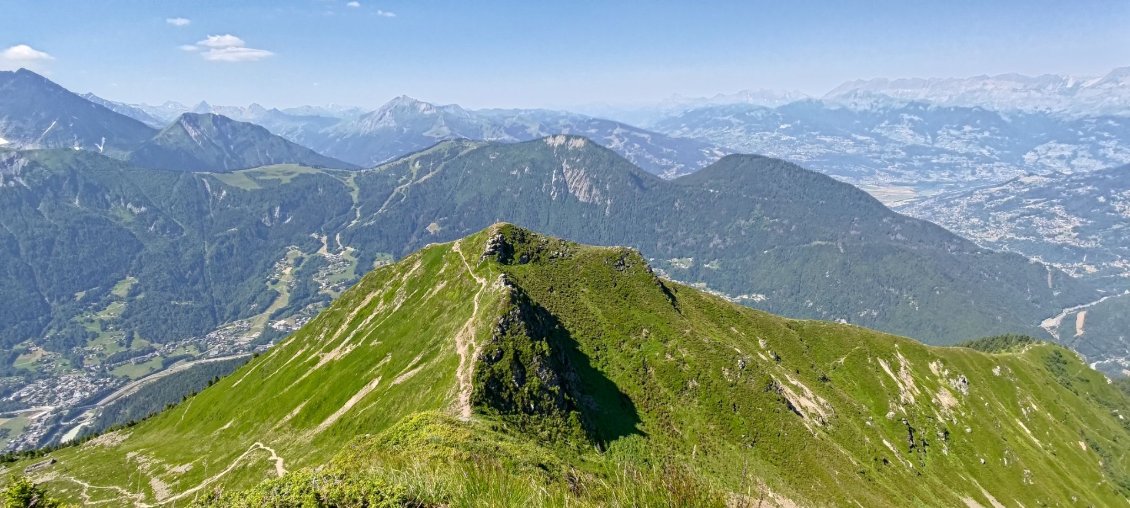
{"type": "Point", "coordinates": [608, 413]}
{"type": "Point", "coordinates": [533, 373]}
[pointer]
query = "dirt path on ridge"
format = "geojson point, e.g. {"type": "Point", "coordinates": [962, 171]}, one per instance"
{"type": "Point", "coordinates": [465, 343]}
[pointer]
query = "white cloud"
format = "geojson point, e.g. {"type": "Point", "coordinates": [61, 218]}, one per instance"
{"type": "Point", "coordinates": [353, 4]}
{"type": "Point", "coordinates": [226, 48]}
{"type": "Point", "coordinates": [178, 21]}
{"type": "Point", "coordinates": [387, 14]}
{"type": "Point", "coordinates": [235, 54]}
{"type": "Point", "coordinates": [221, 41]}
{"type": "Point", "coordinates": [22, 55]}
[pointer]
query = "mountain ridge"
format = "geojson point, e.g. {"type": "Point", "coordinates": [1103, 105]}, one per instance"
{"type": "Point", "coordinates": [37, 113]}
{"type": "Point", "coordinates": [220, 264]}
{"type": "Point", "coordinates": [404, 124]}
{"type": "Point", "coordinates": [916, 146]}
{"type": "Point", "coordinates": [563, 373]}
{"type": "Point", "coordinates": [134, 112]}
{"type": "Point", "coordinates": [597, 186]}
{"type": "Point", "coordinates": [1074, 222]}
{"type": "Point", "coordinates": [211, 142]}
{"type": "Point", "coordinates": [1092, 95]}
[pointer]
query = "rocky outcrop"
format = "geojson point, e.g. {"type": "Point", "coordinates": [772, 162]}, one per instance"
{"type": "Point", "coordinates": [523, 372]}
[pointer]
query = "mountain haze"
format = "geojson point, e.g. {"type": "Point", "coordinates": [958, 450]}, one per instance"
{"type": "Point", "coordinates": [405, 125]}
{"type": "Point", "coordinates": [1076, 222]}
{"type": "Point", "coordinates": [1073, 95]}
{"type": "Point", "coordinates": [917, 146]}
{"type": "Point", "coordinates": [210, 142]}
{"type": "Point", "coordinates": [37, 113]}
{"type": "Point", "coordinates": [133, 112]}
{"type": "Point", "coordinates": [401, 126]}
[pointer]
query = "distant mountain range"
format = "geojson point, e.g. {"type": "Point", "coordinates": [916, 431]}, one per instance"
{"type": "Point", "coordinates": [37, 113]}
{"type": "Point", "coordinates": [900, 139]}
{"type": "Point", "coordinates": [918, 145]}
{"type": "Point", "coordinates": [648, 113]}
{"type": "Point", "coordinates": [40, 114]}
{"type": "Point", "coordinates": [405, 125]}
{"type": "Point", "coordinates": [1068, 95]}
{"type": "Point", "coordinates": [211, 142]}
{"type": "Point", "coordinates": [168, 111]}
{"type": "Point", "coordinates": [910, 137]}
{"type": "Point", "coordinates": [133, 112]}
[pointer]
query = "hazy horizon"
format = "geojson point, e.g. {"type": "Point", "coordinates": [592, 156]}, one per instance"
{"type": "Point", "coordinates": [363, 53]}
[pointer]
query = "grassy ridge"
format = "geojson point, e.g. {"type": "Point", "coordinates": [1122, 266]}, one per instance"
{"type": "Point", "coordinates": [285, 398]}
{"type": "Point", "coordinates": [592, 381]}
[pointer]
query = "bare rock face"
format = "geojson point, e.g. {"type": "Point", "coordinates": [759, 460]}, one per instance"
{"type": "Point", "coordinates": [12, 163]}
{"type": "Point", "coordinates": [509, 244]}
{"type": "Point", "coordinates": [497, 247]}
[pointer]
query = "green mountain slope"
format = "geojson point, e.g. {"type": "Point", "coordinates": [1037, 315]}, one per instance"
{"type": "Point", "coordinates": [210, 142]}
{"type": "Point", "coordinates": [1100, 331]}
{"type": "Point", "coordinates": [517, 369]}
{"type": "Point", "coordinates": [116, 271]}
{"type": "Point", "coordinates": [112, 273]}
{"type": "Point", "coordinates": [763, 231]}
{"type": "Point", "coordinates": [77, 224]}
{"type": "Point", "coordinates": [789, 240]}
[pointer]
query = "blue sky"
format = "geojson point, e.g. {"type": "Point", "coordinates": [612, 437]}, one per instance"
{"type": "Point", "coordinates": [539, 54]}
